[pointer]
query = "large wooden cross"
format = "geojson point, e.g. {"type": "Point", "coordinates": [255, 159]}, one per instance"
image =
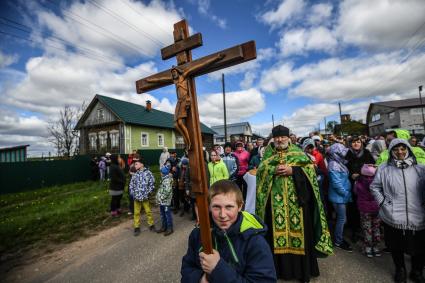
{"type": "Point", "coordinates": [186, 115]}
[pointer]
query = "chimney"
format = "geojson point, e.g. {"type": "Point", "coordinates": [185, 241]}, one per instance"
{"type": "Point", "coordinates": [148, 105]}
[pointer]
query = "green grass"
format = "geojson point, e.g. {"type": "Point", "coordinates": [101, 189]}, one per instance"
{"type": "Point", "coordinates": [57, 214]}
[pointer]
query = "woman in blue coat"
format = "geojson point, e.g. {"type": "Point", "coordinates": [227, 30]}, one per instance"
{"type": "Point", "coordinates": [339, 191]}
{"type": "Point", "coordinates": [241, 253]}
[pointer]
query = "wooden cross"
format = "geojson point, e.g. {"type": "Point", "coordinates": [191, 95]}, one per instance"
{"type": "Point", "coordinates": [186, 115]}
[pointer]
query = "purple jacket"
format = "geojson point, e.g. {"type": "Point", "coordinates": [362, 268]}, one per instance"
{"type": "Point", "coordinates": [365, 200]}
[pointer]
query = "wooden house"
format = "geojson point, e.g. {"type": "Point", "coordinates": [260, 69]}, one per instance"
{"type": "Point", "coordinates": [117, 126]}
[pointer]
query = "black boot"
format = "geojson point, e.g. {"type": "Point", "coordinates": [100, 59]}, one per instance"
{"type": "Point", "coordinates": [400, 275]}
{"type": "Point", "coordinates": [416, 276]}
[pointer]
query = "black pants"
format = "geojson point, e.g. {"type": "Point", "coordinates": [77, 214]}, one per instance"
{"type": "Point", "coordinates": [243, 186]}
{"type": "Point", "coordinates": [418, 261]}
{"type": "Point", "coordinates": [116, 202]}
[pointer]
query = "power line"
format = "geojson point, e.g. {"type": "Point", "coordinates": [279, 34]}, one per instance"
{"type": "Point", "coordinates": [27, 29]}
{"type": "Point", "coordinates": [56, 47]}
{"type": "Point", "coordinates": [127, 23]}
{"type": "Point", "coordinates": [145, 16]}
{"type": "Point", "coordinates": [120, 40]}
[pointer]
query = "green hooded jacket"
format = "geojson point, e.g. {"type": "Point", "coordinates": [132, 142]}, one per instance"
{"type": "Point", "coordinates": [417, 151]}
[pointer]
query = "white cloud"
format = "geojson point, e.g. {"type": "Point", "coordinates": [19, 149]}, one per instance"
{"type": "Point", "coordinates": [299, 41]}
{"type": "Point", "coordinates": [204, 10]}
{"type": "Point", "coordinates": [211, 106]}
{"type": "Point", "coordinates": [249, 69]}
{"type": "Point", "coordinates": [7, 59]}
{"type": "Point", "coordinates": [287, 10]}
{"type": "Point", "coordinates": [381, 24]}
{"type": "Point", "coordinates": [320, 14]}
{"type": "Point", "coordinates": [118, 28]}
{"type": "Point", "coordinates": [347, 79]}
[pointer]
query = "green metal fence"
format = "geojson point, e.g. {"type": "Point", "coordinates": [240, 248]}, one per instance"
{"type": "Point", "coordinates": [30, 175]}
{"type": "Point", "coordinates": [23, 176]}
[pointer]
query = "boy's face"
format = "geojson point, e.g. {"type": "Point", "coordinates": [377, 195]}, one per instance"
{"type": "Point", "coordinates": [224, 210]}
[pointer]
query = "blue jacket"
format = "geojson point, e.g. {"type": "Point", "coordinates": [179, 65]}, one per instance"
{"type": "Point", "coordinates": [339, 187]}
{"type": "Point", "coordinates": [245, 255]}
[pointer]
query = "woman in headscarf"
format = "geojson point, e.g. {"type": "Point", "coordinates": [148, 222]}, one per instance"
{"type": "Point", "coordinates": [339, 191]}
{"type": "Point", "coordinates": [356, 157]}
{"type": "Point", "coordinates": [399, 188]}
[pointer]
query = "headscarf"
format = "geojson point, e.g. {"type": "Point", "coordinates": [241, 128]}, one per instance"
{"type": "Point", "coordinates": [408, 160]}
{"type": "Point", "coordinates": [336, 156]}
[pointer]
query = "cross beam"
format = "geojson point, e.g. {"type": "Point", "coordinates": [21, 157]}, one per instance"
{"type": "Point", "coordinates": [232, 56]}
{"type": "Point", "coordinates": [187, 115]}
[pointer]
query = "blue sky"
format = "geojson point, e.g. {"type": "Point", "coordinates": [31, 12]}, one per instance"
{"type": "Point", "coordinates": [311, 55]}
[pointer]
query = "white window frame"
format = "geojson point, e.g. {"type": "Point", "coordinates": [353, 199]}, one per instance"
{"type": "Point", "coordinates": [93, 137]}
{"type": "Point", "coordinates": [103, 136]}
{"type": "Point", "coordinates": [141, 139]}
{"type": "Point", "coordinates": [114, 134]}
{"type": "Point", "coordinates": [163, 140]}
{"type": "Point", "coordinates": [376, 117]}
{"type": "Point", "coordinates": [100, 114]}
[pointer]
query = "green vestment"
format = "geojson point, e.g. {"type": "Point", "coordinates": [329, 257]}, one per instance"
{"type": "Point", "coordinates": [287, 215]}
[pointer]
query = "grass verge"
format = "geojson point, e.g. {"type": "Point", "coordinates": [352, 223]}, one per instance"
{"type": "Point", "coordinates": [58, 214]}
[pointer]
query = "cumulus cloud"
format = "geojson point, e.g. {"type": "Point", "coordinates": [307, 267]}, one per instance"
{"type": "Point", "coordinates": [320, 14]}
{"type": "Point", "coordinates": [211, 106]}
{"type": "Point", "coordinates": [118, 28]}
{"type": "Point", "coordinates": [299, 41]}
{"type": "Point", "coordinates": [287, 10]}
{"type": "Point", "coordinates": [381, 24]}
{"type": "Point", "coordinates": [347, 79]}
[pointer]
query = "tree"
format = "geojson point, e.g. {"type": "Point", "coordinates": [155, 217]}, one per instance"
{"type": "Point", "coordinates": [62, 133]}
{"type": "Point", "coordinates": [330, 126]}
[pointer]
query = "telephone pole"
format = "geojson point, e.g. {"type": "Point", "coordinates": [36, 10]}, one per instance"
{"type": "Point", "coordinates": [340, 119]}
{"type": "Point", "coordinates": [224, 108]}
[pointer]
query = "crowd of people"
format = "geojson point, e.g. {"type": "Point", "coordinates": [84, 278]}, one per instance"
{"type": "Point", "coordinates": [281, 203]}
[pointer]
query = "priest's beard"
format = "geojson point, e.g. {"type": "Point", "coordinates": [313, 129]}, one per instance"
{"type": "Point", "coordinates": [282, 145]}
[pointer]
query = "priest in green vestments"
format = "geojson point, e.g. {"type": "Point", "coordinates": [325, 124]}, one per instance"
{"type": "Point", "coordinates": [288, 200]}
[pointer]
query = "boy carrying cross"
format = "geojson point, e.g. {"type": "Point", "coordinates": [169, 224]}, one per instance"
{"type": "Point", "coordinates": [240, 253]}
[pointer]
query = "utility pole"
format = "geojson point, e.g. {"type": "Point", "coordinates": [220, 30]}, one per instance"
{"type": "Point", "coordinates": [340, 119]}
{"type": "Point", "coordinates": [273, 120]}
{"type": "Point", "coordinates": [224, 108]}
{"type": "Point", "coordinates": [422, 107]}
{"type": "Point", "coordinates": [326, 126]}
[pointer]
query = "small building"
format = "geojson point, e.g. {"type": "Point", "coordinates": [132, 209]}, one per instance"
{"type": "Point", "coordinates": [238, 131]}
{"type": "Point", "coordinates": [117, 126]}
{"type": "Point", "coordinates": [14, 153]}
{"type": "Point", "coordinates": [350, 127]}
{"type": "Point", "coordinates": [405, 114]}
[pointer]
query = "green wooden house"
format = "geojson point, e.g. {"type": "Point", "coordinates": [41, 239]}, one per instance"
{"type": "Point", "coordinates": [117, 126]}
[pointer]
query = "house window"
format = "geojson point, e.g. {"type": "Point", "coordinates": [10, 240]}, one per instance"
{"type": "Point", "coordinates": [160, 140]}
{"type": "Point", "coordinates": [100, 114]}
{"type": "Point", "coordinates": [376, 117]}
{"type": "Point", "coordinates": [416, 111]}
{"type": "Point", "coordinates": [145, 139]}
{"type": "Point", "coordinates": [92, 141]}
{"type": "Point", "coordinates": [114, 138]}
{"type": "Point", "coordinates": [391, 115]}
{"type": "Point", "coordinates": [103, 140]}
{"type": "Point", "coordinates": [179, 140]}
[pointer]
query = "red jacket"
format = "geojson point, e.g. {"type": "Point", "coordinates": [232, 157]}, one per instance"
{"type": "Point", "coordinates": [320, 161]}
